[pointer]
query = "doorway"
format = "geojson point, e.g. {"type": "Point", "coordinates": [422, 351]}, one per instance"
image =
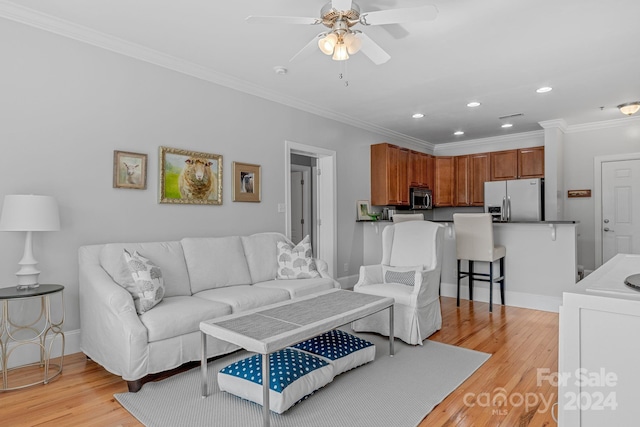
{"type": "Point", "coordinates": [302, 196]}
{"type": "Point", "coordinates": [323, 200]}
{"type": "Point", "coordinates": [617, 229]}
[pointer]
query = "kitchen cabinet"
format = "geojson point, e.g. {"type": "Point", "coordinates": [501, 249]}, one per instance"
{"type": "Point", "coordinates": [471, 172]}
{"type": "Point", "coordinates": [504, 165]}
{"type": "Point", "coordinates": [517, 164]}
{"type": "Point", "coordinates": [389, 177]}
{"type": "Point", "coordinates": [479, 173]}
{"type": "Point", "coordinates": [531, 162]}
{"type": "Point", "coordinates": [420, 170]}
{"type": "Point", "coordinates": [461, 184]}
{"type": "Point", "coordinates": [444, 181]}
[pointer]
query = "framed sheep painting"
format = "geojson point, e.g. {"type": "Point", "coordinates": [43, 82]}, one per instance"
{"type": "Point", "coordinates": [190, 177]}
{"type": "Point", "coordinates": [246, 182]}
{"type": "Point", "coordinates": [129, 170]}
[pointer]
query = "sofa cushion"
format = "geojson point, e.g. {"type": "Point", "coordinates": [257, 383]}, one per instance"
{"type": "Point", "coordinates": [343, 350]}
{"type": "Point", "coordinates": [292, 376]}
{"type": "Point", "coordinates": [299, 287]}
{"type": "Point", "coordinates": [147, 289]}
{"type": "Point", "coordinates": [244, 297]}
{"type": "Point", "coordinates": [408, 276]}
{"type": "Point", "coordinates": [402, 294]}
{"type": "Point", "coordinates": [261, 252]}
{"type": "Point", "coordinates": [166, 255]}
{"type": "Point", "coordinates": [296, 262]}
{"type": "Point", "coordinates": [215, 262]}
{"type": "Point", "coordinates": [180, 315]}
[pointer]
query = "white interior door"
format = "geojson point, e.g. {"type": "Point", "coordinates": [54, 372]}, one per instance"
{"type": "Point", "coordinates": [620, 224]}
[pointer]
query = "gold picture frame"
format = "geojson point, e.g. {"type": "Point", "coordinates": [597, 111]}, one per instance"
{"type": "Point", "coordinates": [246, 182]}
{"type": "Point", "coordinates": [129, 170]}
{"type": "Point", "coordinates": [190, 177]}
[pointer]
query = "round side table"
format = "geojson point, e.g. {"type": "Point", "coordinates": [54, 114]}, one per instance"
{"type": "Point", "coordinates": [15, 333]}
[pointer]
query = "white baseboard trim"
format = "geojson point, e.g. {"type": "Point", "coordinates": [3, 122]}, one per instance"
{"type": "Point", "coordinates": [513, 299]}
{"type": "Point", "coordinates": [30, 353]}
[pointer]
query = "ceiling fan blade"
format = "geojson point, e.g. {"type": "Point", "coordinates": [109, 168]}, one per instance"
{"type": "Point", "coordinates": [399, 16]}
{"type": "Point", "coordinates": [309, 48]}
{"type": "Point", "coordinates": [271, 20]}
{"type": "Point", "coordinates": [341, 4]}
{"type": "Point", "coordinates": [371, 49]}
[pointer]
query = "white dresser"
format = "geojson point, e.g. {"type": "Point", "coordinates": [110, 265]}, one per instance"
{"type": "Point", "coordinates": [599, 361]}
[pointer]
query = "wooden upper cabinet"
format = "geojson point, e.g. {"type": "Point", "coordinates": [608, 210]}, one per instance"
{"type": "Point", "coordinates": [420, 170]}
{"type": "Point", "coordinates": [389, 178]}
{"type": "Point", "coordinates": [504, 165]}
{"type": "Point", "coordinates": [430, 174]}
{"type": "Point", "coordinates": [402, 190]}
{"type": "Point", "coordinates": [443, 181]}
{"type": "Point", "coordinates": [531, 162]}
{"type": "Point", "coordinates": [461, 184]}
{"type": "Point", "coordinates": [479, 173]}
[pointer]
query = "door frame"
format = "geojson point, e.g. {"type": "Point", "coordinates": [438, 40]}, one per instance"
{"type": "Point", "coordinates": [597, 196]}
{"type": "Point", "coordinates": [325, 199]}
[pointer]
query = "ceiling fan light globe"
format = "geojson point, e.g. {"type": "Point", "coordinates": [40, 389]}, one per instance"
{"type": "Point", "coordinates": [328, 43]}
{"type": "Point", "coordinates": [353, 43]}
{"type": "Point", "coordinates": [340, 53]}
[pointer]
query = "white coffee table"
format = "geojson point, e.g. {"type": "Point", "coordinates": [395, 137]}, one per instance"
{"type": "Point", "coordinates": [274, 327]}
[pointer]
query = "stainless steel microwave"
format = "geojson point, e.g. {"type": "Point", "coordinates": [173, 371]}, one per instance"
{"type": "Point", "coordinates": [420, 198]}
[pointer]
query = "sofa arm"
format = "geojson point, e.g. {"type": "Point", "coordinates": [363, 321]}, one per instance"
{"type": "Point", "coordinates": [111, 331]}
{"type": "Point", "coordinates": [323, 269]}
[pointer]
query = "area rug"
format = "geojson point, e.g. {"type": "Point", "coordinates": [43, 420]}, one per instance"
{"type": "Point", "coordinates": [394, 391]}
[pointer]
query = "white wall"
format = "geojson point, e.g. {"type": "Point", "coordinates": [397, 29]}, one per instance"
{"type": "Point", "coordinates": [66, 106]}
{"type": "Point", "coordinates": [581, 145]}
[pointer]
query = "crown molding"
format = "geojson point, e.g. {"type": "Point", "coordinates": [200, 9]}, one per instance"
{"type": "Point", "coordinates": [552, 124]}
{"type": "Point", "coordinates": [489, 144]}
{"type": "Point", "coordinates": [83, 34]}
{"type": "Point", "coordinates": [605, 124]}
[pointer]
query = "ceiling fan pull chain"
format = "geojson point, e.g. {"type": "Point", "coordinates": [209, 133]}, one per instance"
{"type": "Point", "coordinates": [343, 75]}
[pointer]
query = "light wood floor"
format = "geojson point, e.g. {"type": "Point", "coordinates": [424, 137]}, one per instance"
{"type": "Point", "coordinates": [505, 391]}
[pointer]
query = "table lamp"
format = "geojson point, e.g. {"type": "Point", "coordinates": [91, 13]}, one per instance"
{"type": "Point", "coordinates": [29, 213]}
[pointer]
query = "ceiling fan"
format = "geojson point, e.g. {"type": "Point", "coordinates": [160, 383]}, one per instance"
{"type": "Point", "coordinates": [342, 40]}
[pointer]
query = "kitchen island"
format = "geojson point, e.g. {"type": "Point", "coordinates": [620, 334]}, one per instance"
{"type": "Point", "coordinates": [541, 262]}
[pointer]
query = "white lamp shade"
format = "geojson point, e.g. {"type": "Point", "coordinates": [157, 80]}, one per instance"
{"type": "Point", "coordinates": [29, 213]}
{"type": "Point", "coordinates": [326, 44]}
{"type": "Point", "coordinates": [353, 43]}
{"type": "Point", "coordinates": [340, 52]}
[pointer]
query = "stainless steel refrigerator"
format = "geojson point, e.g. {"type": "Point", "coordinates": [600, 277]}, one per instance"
{"type": "Point", "coordinates": [515, 200]}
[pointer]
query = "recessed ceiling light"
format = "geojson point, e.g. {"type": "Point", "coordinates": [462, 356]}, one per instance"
{"type": "Point", "coordinates": [418, 116]}
{"type": "Point", "coordinates": [473, 104]}
{"type": "Point", "coordinates": [507, 125]}
{"type": "Point", "coordinates": [458, 133]}
{"type": "Point", "coordinates": [544, 89]}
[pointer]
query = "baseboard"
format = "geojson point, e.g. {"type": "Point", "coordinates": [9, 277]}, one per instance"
{"type": "Point", "coordinates": [30, 353]}
{"type": "Point", "coordinates": [514, 299]}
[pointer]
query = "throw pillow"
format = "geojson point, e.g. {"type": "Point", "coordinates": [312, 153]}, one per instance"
{"type": "Point", "coordinates": [343, 350]}
{"type": "Point", "coordinates": [296, 262]}
{"type": "Point", "coordinates": [293, 375]}
{"type": "Point", "coordinates": [408, 276]}
{"type": "Point", "coordinates": [147, 288]}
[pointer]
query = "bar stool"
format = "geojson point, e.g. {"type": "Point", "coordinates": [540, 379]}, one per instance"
{"type": "Point", "coordinates": [474, 242]}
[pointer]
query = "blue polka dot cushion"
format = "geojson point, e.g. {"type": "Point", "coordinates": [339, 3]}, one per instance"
{"type": "Point", "coordinates": [343, 350]}
{"type": "Point", "coordinates": [293, 375]}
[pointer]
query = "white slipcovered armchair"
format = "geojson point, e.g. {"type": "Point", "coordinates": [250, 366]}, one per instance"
{"type": "Point", "coordinates": [409, 273]}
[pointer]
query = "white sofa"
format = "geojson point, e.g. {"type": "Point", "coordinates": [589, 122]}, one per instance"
{"type": "Point", "coordinates": [204, 278]}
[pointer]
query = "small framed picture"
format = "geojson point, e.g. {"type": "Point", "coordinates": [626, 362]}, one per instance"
{"type": "Point", "coordinates": [246, 182]}
{"type": "Point", "coordinates": [190, 177]}
{"type": "Point", "coordinates": [363, 208]}
{"type": "Point", "coordinates": [129, 170]}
